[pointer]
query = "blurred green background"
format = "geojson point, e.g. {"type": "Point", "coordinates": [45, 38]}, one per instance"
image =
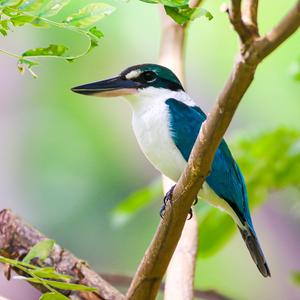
{"type": "Point", "coordinates": [68, 160]}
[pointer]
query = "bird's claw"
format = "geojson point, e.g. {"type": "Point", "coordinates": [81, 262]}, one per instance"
{"type": "Point", "coordinates": [190, 215]}
{"type": "Point", "coordinates": [167, 198]}
{"type": "Point", "coordinates": [195, 201]}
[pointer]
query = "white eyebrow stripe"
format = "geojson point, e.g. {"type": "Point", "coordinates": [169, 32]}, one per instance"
{"type": "Point", "coordinates": [133, 74]}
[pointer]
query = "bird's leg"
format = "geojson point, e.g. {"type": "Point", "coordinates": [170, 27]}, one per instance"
{"type": "Point", "coordinates": [190, 215]}
{"type": "Point", "coordinates": [167, 198]}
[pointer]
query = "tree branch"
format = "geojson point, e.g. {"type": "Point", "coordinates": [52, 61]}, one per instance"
{"type": "Point", "coordinates": [152, 268]}
{"type": "Point", "coordinates": [285, 28]}
{"type": "Point", "coordinates": [250, 8]}
{"type": "Point", "coordinates": [17, 238]}
{"type": "Point", "coordinates": [235, 17]}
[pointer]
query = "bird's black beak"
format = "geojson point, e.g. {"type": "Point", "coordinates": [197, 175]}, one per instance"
{"type": "Point", "coordinates": [116, 86]}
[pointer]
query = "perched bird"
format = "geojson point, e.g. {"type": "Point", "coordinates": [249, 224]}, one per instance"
{"type": "Point", "coordinates": [166, 122]}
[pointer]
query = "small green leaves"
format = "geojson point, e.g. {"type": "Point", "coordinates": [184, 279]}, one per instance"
{"type": "Point", "coordinates": [46, 276]}
{"type": "Point", "coordinates": [60, 285]}
{"type": "Point", "coordinates": [40, 250]}
{"type": "Point", "coordinates": [89, 15]}
{"type": "Point", "coordinates": [37, 12]}
{"type": "Point", "coordinates": [21, 20]}
{"type": "Point", "coordinates": [180, 11]}
{"type": "Point", "coordinates": [53, 296]}
{"type": "Point", "coordinates": [95, 35]}
{"type": "Point", "coordinates": [52, 8]}
{"type": "Point", "coordinates": [26, 64]}
{"type": "Point", "coordinates": [184, 14]}
{"type": "Point", "coordinates": [51, 50]}
{"type": "Point", "coordinates": [49, 273]}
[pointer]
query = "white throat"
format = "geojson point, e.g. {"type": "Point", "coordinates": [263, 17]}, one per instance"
{"type": "Point", "coordinates": [149, 97]}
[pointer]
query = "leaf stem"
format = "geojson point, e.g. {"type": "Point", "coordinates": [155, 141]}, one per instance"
{"type": "Point", "coordinates": [11, 54]}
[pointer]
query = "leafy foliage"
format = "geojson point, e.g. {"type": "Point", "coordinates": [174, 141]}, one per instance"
{"type": "Point", "coordinates": [40, 250]}
{"type": "Point", "coordinates": [38, 13]}
{"type": "Point", "coordinates": [180, 11]}
{"type": "Point", "coordinates": [266, 167]}
{"type": "Point", "coordinates": [45, 276]}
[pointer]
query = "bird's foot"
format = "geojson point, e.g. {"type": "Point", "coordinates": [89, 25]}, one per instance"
{"type": "Point", "coordinates": [195, 202]}
{"type": "Point", "coordinates": [190, 214]}
{"type": "Point", "coordinates": [167, 198]}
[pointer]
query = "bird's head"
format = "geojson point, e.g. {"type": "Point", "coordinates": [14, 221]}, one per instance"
{"type": "Point", "coordinates": [134, 80]}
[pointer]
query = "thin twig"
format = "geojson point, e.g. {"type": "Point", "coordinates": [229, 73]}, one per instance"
{"type": "Point", "coordinates": [250, 8]}
{"type": "Point", "coordinates": [235, 17]}
{"type": "Point", "coordinates": [281, 32]}
{"type": "Point", "coordinates": [18, 237]}
{"type": "Point", "coordinates": [152, 268]}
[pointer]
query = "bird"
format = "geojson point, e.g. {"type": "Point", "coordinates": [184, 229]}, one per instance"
{"type": "Point", "coordinates": [166, 122]}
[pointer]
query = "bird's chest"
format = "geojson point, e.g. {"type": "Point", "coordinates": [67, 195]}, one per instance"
{"type": "Point", "coordinates": [151, 127]}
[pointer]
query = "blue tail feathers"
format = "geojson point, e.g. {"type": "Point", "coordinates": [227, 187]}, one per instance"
{"type": "Point", "coordinates": [255, 250]}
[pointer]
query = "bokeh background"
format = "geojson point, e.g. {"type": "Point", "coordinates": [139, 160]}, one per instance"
{"type": "Point", "coordinates": [68, 160]}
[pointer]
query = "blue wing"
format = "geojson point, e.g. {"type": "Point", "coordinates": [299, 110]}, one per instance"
{"type": "Point", "coordinates": [225, 178]}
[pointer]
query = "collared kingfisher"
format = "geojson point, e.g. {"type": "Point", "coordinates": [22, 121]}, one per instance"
{"type": "Point", "coordinates": [166, 123]}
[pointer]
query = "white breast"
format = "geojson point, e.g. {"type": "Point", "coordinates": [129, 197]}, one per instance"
{"type": "Point", "coordinates": [151, 129]}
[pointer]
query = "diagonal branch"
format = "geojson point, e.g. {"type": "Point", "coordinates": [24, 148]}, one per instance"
{"type": "Point", "coordinates": [17, 238]}
{"type": "Point", "coordinates": [152, 268]}
{"type": "Point", "coordinates": [281, 32]}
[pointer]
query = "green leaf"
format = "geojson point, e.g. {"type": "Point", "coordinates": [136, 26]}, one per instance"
{"type": "Point", "coordinates": [60, 285]}
{"type": "Point", "coordinates": [41, 250]}
{"type": "Point", "coordinates": [174, 3]}
{"type": "Point", "coordinates": [31, 5]}
{"type": "Point", "coordinates": [4, 3]}
{"type": "Point", "coordinates": [296, 277]}
{"type": "Point", "coordinates": [170, 3]}
{"type": "Point", "coordinates": [150, 1]}
{"type": "Point", "coordinates": [52, 8]}
{"type": "Point", "coordinates": [22, 20]}
{"type": "Point", "coordinates": [27, 64]}
{"type": "Point", "coordinates": [4, 24]}
{"type": "Point", "coordinates": [53, 296]}
{"type": "Point", "coordinates": [89, 15]}
{"type": "Point", "coordinates": [184, 14]}
{"type": "Point", "coordinates": [51, 50]}
{"type": "Point", "coordinates": [95, 35]}
{"type": "Point", "coordinates": [3, 32]}
{"type": "Point", "coordinates": [49, 273]}
{"type": "Point", "coordinates": [135, 202]}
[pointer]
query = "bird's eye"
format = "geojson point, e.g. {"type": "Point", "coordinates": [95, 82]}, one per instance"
{"type": "Point", "coordinates": [148, 76]}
